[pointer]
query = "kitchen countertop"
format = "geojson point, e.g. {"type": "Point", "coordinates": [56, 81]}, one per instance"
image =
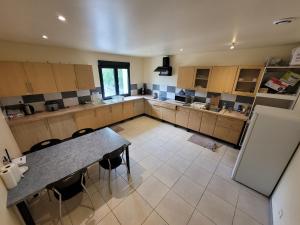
{"type": "Point", "coordinates": [78, 108]}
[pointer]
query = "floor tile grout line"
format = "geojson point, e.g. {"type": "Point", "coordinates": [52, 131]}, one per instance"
{"type": "Point", "coordinates": [205, 191]}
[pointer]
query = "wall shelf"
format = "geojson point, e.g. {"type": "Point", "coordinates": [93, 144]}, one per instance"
{"type": "Point", "coordinates": [277, 96]}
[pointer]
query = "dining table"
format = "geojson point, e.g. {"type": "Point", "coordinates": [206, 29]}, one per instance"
{"type": "Point", "coordinates": [59, 161]}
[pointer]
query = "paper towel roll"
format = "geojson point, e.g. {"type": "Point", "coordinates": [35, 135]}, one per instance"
{"type": "Point", "coordinates": [15, 170]}
{"type": "Point", "coordinates": [8, 178]}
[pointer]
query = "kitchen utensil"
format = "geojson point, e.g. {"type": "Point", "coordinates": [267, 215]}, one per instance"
{"type": "Point", "coordinates": [51, 105]}
{"type": "Point", "coordinates": [28, 109]}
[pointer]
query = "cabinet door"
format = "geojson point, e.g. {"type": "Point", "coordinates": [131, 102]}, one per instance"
{"type": "Point", "coordinates": [148, 107]}
{"type": "Point", "coordinates": [168, 115]}
{"type": "Point", "coordinates": [139, 108]}
{"type": "Point", "coordinates": [182, 116]}
{"type": "Point", "coordinates": [186, 77]}
{"type": "Point", "coordinates": [103, 116]}
{"type": "Point", "coordinates": [117, 112]}
{"type": "Point", "coordinates": [195, 120]}
{"type": "Point", "coordinates": [222, 78]}
{"type": "Point", "coordinates": [128, 110]}
{"type": "Point", "coordinates": [62, 127]}
{"type": "Point", "coordinates": [247, 80]}
{"type": "Point", "coordinates": [85, 77]}
{"type": "Point", "coordinates": [156, 111]}
{"type": "Point", "coordinates": [208, 123]}
{"type": "Point", "coordinates": [41, 78]}
{"type": "Point", "coordinates": [226, 134]}
{"type": "Point", "coordinates": [86, 119]}
{"type": "Point", "coordinates": [65, 78]}
{"type": "Point", "coordinates": [29, 134]}
{"type": "Point", "coordinates": [13, 79]}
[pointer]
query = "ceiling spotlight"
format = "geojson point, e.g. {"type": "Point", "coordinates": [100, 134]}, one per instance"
{"type": "Point", "coordinates": [181, 49]}
{"type": "Point", "coordinates": [284, 21]}
{"type": "Point", "coordinates": [45, 37]}
{"type": "Point", "coordinates": [61, 18]}
{"type": "Point", "coordinates": [232, 46]}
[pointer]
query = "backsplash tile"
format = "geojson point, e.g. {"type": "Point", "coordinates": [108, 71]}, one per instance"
{"type": "Point", "coordinates": [33, 98]}
{"type": "Point", "coordinates": [81, 93]}
{"type": "Point", "coordinates": [171, 89]}
{"type": "Point", "coordinates": [70, 101]}
{"type": "Point", "coordinates": [69, 94]}
{"type": "Point", "coordinates": [245, 99]}
{"type": "Point", "coordinates": [84, 99]}
{"type": "Point", "coordinates": [133, 87]}
{"type": "Point", "coordinates": [162, 94]}
{"type": "Point", "coordinates": [52, 96]}
{"type": "Point", "coordinates": [11, 100]}
{"type": "Point", "coordinates": [155, 87]}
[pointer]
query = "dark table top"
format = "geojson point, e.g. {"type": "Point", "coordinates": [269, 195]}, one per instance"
{"type": "Point", "coordinates": [56, 162]}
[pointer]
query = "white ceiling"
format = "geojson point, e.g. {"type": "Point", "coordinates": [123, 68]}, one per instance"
{"type": "Point", "coordinates": [150, 27]}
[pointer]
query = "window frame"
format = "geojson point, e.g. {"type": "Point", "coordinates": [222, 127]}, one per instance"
{"type": "Point", "coordinates": [114, 65]}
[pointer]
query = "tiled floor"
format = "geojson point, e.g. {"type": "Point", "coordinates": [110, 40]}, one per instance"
{"type": "Point", "coordinates": [172, 182]}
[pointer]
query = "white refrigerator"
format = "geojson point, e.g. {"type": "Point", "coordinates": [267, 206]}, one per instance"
{"type": "Point", "coordinates": [270, 142]}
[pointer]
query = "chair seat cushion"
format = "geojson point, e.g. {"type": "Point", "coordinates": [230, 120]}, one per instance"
{"type": "Point", "coordinates": [68, 192]}
{"type": "Point", "coordinates": [115, 162]}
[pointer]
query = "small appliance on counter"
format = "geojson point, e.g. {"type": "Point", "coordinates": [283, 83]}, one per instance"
{"type": "Point", "coordinates": [28, 109]}
{"type": "Point", "coordinates": [51, 106]}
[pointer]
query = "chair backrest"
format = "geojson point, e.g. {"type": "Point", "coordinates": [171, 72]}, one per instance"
{"type": "Point", "coordinates": [74, 178]}
{"type": "Point", "coordinates": [44, 144]}
{"type": "Point", "coordinates": [82, 132]}
{"type": "Point", "coordinates": [115, 153]}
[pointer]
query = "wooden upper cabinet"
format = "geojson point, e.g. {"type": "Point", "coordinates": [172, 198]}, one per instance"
{"type": "Point", "coordinates": [201, 78]}
{"type": "Point", "coordinates": [247, 80]}
{"type": "Point", "coordinates": [41, 78]}
{"type": "Point", "coordinates": [186, 77]}
{"type": "Point", "coordinates": [65, 77]}
{"type": "Point", "coordinates": [84, 76]}
{"type": "Point", "coordinates": [13, 80]}
{"type": "Point", "coordinates": [222, 78]}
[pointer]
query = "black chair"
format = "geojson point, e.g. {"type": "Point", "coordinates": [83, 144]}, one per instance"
{"type": "Point", "coordinates": [44, 144]}
{"type": "Point", "coordinates": [82, 132]}
{"type": "Point", "coordinates": [68, 187]}
{"type": "Point", "coordinates": [111, 161]}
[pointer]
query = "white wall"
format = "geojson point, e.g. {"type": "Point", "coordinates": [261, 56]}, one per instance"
{"type": "Point", "coordinates": [7, 216]}
{"type": "Point", "coordinates": [13, 51]}
{"type": "Point", "coordinates": [255, 56]}
{"type": "Point", "coordinates": [287, 195]}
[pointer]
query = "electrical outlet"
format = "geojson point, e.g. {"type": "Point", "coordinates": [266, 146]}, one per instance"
{"type": "Point", "coordinates": [280, 213]}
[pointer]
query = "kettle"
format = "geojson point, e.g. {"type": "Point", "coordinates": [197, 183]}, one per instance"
{"type": "Point", "coordinates": [28, 109]}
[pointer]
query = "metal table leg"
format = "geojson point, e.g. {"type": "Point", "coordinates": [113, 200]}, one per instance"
{"type": "Point", "coordinates": [127, 159]}
{"type": "Point", "coordinates": [25, 213]}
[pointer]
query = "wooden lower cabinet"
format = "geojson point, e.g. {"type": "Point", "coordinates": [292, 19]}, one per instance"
{"type": "Point", "coordinates": [228, 129]}
{"type": "Point", "coordinates": [62, 127]}
{"type": "Point", "coordinates": [138, 107]}
{"type": "Point", "coordinates": [103, 116]}
{"type": "Point", "coordinates": [156, 112]}
{"type": "Point", "coordinates": [227, 134]}
{"type": "Point", "coordinates": [128, 110]}
{"type": "Point", "coordinates": [116, 112]}
{"type": "Point", "coordinates": [86, 119]}
{"type": "Point", "coordinates": [208, 123]}
{"type": "Point", "coordinates": [195, 120]}
{"type": "Point", "coordinates": [182, 116]}
{"type": "Point", "coordinates": [29, 134]}
{"type": "Point", "coordinates": [168, 115]}
{"type": "Point", "coordinates": [148, 107]}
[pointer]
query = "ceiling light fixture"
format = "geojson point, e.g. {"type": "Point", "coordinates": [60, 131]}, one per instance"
{"type": "Point", "coordinates": [45, 36]}
{"type": "Point", "coordinates": [232, 46]}
{"type": "Point", "coordinates": [283, 21]}
{"type": "Point", "coordinates": [61, 18]}
{"type": "Point", "coordinates": [181, 49]}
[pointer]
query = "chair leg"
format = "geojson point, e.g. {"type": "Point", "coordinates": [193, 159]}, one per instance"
{"type": "Point", "coordinates": [99, 172]}
{"type": "Point", "coordinates": [50, 200]}
{"type": "Point", "coordinates": [109, 187]}
{"type": "Point", "coordinates": [89, 197]}
{"type": "Point", "coordinates": [60, 203]}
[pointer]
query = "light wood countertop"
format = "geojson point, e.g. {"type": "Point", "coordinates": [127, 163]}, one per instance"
{"type": "Point", "coordinates": [74, 109]}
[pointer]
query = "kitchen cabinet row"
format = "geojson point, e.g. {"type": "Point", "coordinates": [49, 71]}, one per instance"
{"type": "Point", "coordinates": [212, 124]}
{"type": "Point", "coordinates": [62, 127]}
{"type": "Point", "coordinates": [24, 78]}
{"type": "Point", "coordinates": [238, 80]}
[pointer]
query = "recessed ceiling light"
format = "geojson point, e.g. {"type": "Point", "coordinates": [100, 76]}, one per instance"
{"type": "Point", "coordinates": [45, 37]}
{"type": "Point", "coordinates": [284, 21]}
{"type": "Point", "coordinates": [181, 49]}
{"type": "Point", "coordinates": [232, 46]}
{"type": "Point", "coordinates": [61, 18]}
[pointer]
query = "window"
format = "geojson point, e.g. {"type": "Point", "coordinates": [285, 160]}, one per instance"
{"type": "Point", "coordinates": [114, 78]}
